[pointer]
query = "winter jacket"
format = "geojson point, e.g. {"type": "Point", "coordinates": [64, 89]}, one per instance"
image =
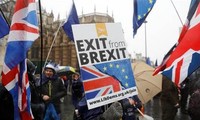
{"type": "Point", "coordinates": [77, 91]}
{"type": "Point", "coordinates": [54, 88]}
{"type": "Point", "coordinates": [194, 105]}
{"type": "Point", "coordinates": [129, 111]}
{"type": "Point", "coordinates": [6, 104]}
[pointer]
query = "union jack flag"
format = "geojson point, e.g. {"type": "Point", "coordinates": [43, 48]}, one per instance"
{"type": "Point", "coordinates": [98, 84]}
{"type": "Point", "coordinates": [23, 32]}
{"type": "Point", "coordinates": [107, 78]}
{"type": "Point", "coordinates": [184, 57]}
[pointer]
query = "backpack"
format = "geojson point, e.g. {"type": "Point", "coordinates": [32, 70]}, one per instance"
{"type": "Point", "coordinates": [194, 104]}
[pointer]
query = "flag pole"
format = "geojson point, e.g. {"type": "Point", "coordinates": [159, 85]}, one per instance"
{"type": "Point", "coordinates": [177, 12]}
{"type": "Point", "coordinates": [145, 22]}
{"type": "Point", "coordinates": [52, 44]}
{"type": "Point", "coordinates": [41, 41]}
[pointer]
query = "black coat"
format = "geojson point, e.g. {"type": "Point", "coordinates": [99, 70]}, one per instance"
{"type": "Point", "coordinates": [6, 104]}
{"type": "Point", "coordinates": [37, 104]}
{"type": "Point", "coordinates": [129, 111]}
{"type": "Point", "coordinates": [56, 92]}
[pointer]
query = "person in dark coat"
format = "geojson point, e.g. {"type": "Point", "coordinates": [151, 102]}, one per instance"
{"type": "Point", "coordinates": [194, 105]}
{"type": "Point", "coordinates": [77, 89]}
{"type": "Point", "coordinates": [37, 104]}
{"type": "Point", "coordinates": [83, 113]}
{"type": "Point", "coordinates": [52, 88]}
{"type": "Point", "coordinates": [130, 106]}
{"type": "Point", "coordinates": [6, 104]}
{"type": "Point", "coordinates": [169, 99]}
{"type": "Point", "coordinates": [184, 90]}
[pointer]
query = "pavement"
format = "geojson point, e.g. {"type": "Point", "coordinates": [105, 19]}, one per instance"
{"type": "Point", "coordinates": [152, 108]}
{"type": "Point", "coordinates": [67, 109]}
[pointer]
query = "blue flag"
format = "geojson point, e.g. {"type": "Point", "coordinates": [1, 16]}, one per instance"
{"type": "Point", "coordinates": [51, 113]}
{"type": "Point", "coordinates": [121, 70]}
{"type": "Point", "coordinates": [141, 10]}
{"type": "Point", "coordinates": [148, 61]}
{"type": "Point", "coordinates": [72, 18]}
{"type": "Point", "coordinates": [4, 28]}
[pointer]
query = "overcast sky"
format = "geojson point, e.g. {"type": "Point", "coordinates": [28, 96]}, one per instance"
{"type": "Point", "coordinates": [162, 27]}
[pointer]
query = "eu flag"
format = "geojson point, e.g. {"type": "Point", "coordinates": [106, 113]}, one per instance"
{"type": "Point", "coordinates": [121, 70]}
{"type": "Point", "coordinates": [141, 10]}
{"type": "Point", "coordinates": [4, 28]}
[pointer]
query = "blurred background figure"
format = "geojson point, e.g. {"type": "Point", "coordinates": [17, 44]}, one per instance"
{"type": "Point", "coordinates": [77, 89]}
{"type": "Point", "coordinates": [194, 105]}
{"type": "Point", "coordinates": [6, 104]}
{"type": "Point", "coordinates": [184, 91]}
{"type": "Point", "coordinates": [65, 80]}
{"type": "Point", "coordinates": [83, 113]}
{"type": "Point", "coordinates": [169, 99]}
{"type": "Point", "coordinates": [37, 104]}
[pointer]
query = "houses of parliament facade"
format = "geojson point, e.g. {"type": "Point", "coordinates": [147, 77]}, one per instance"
{"type": "Point", "coordinates": [63, 49]}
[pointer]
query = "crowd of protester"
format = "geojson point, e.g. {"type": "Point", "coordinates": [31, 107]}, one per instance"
{"type": "Point", "coordinates": [47, 94]}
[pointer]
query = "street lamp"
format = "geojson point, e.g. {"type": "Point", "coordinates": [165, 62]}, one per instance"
{"type": "Point", "coordinates": [145, 39]}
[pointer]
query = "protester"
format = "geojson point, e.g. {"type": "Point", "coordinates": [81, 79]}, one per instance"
{"type": "Point", "coordinates": [169, 99]}
{"type": "Point", "coordinates": [37, 104]}
{"type": "Point", "coordinates": [126, 109]}
{"type": "Point", "coordinates": [184, 90]}
{"type": "Point", "coordinates": [69, 83]}
{"type": "Point", "coordinates": [65, 80]}
{"type": "Point", "coordinates": [113, 112]}
{"type": "Point", "coordinates": [130, 106]}
{"type": "Point", "coordinates": [52, 88]}
{"type": "Point", "coordinates": [6, 104]}
{"type": "Point", "coordinates": [196, 85]}
{"type": "Point", "coordinates": [77, 89]}
{"type": "Point", "coordinates": [194, 81]}
{"type": "Point", "coordinates": [194, 105]}
{"type": "Point", "coordinates": [83, 113]}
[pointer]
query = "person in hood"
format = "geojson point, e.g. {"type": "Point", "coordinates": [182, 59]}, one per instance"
{"type": "Point", "coordinates": [77, 89]}
{"type": "Point", "coordinates": [52, 88]}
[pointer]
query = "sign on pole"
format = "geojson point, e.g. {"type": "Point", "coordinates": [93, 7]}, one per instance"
{"type": "Point", "coordinates": [104, 63]}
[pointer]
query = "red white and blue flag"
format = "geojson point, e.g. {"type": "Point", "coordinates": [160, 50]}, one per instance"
{"type": "Point", "coordinates": [97, 83]}
{"type": "Point", "coordinates": [184, 57]}
{"type": "Point", "coordinates": [23, 32]}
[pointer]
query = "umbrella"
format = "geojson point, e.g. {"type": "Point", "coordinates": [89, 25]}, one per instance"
{"type": "Point", "coordinates": [65, 70]}
{"type": "Point", "coordinates": [148, 85]}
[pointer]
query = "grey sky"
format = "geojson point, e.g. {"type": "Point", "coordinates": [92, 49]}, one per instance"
{"type": "Point", "coordinates": [162, 28]}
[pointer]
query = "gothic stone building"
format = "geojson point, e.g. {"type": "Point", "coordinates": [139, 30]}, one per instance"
{"type": "Point", "coordinates": [63, 50]}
